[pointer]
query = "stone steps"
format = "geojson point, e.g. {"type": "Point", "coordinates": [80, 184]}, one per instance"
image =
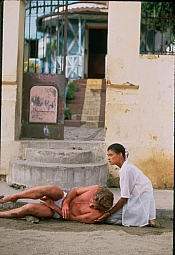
{"type": "Point", "coordinates": [66, 164]}
{"type": "Point", "coordinates": [58, 156]}
{"type": "Point", "coordinates": [89, 103]}
{"type": "Point", "coordinates": [74, 123]}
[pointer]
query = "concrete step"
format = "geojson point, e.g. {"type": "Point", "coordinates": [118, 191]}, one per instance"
{"type": "Point", "coordinates": [90, 100]}
{"type": "Point", "coordinates": [91, 111]}
{"type": "Point", "coordinates": [80, 82]}
{"type": "Point", "coordinates": [65, 167]}
{"type": "Point", "coordinates": [76, 117]}
{"type": "Point", "coordinates": [84, 118]}
{"type": "Point", "coordinates": [101, 118]}
{"type": "Point", "coordinates": [95, 147]}
{"type": "Point", "coordinates": [90, 118]}
{"type": "Point", "coordinates": [75, 101]}
{"type": "Point", "coordinates": [101, 124]}
{"type": "Point", "coordinates": [74, 123]}
{"type": "Point", "coordinates": [76, 110]}
{"type": "Point", "coordinates": [66, 176]}
{"type": "Point", "coordinates": [74, 107]}
{"type": "Point", "coordinates": [94, 124]}
{"type": "Point", "coordinates": [58, 156]}
{"type": "Point", "coordinates": [88, 124]}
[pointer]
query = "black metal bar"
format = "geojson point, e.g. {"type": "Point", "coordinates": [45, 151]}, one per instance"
{"type": "Point", "coordinates": [154, 28]}
{"type": "Point", "coordinates": [158, 22]}
{"type": "Point", "coordinates": [146, 19]}
{"type": "Point", "coordinates": [36, 39]}
{"type": "Point", "coordinates": [29, 37]}
{"type": "Point", "coordinates": [58, 37]}
{"type": "Point", "coordinates": [65, 37]}
{"type": "Point", "coordinates": [50, 32]}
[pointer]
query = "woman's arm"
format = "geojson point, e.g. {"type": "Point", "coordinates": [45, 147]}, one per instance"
{"type": "Point", "coordinates": [118, 205]}
{"type": "Point", "coordinates": [114, 209]}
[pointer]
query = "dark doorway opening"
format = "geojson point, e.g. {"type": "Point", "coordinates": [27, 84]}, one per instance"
{"type": "Point", "coordinates": [97, 52]}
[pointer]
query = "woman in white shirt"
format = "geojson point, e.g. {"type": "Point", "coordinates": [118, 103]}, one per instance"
{"type": "Point", "coordinates": [136, 206]}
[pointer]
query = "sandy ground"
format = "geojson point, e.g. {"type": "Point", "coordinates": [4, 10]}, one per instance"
{"type": "Point", "coordinates": [58, 237]}
{"type": "Point", "coordinates": [52, 237]}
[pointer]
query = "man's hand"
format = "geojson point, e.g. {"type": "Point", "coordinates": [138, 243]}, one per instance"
{"type": "Point", "coordinates": [103, 217]}
{"type": "Point", "coordinates": [48, 202]}
{"type": "Point", "coordinates": [66, 209]}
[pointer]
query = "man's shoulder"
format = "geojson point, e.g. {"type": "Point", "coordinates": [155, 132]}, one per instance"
{"type": "Point", "coordinates": [95, 187]}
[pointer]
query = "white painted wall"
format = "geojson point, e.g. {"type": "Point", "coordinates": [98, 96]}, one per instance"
{"type": "Point", "coordinates": [140, 117]}
{"type": "Point", "coordinates": [12, 63]}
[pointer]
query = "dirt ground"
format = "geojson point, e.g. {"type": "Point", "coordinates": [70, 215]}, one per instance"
{"type": "Point", "coordinates": [18, 236]}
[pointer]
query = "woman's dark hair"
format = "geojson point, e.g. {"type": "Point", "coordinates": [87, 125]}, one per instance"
{"type": "Point", "coordinates": [117, 148]}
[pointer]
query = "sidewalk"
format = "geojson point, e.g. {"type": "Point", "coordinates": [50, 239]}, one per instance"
{"type": "Point", "coordinates": [163, 198]}
{"type": "Point", "coordinates": [83, 134]}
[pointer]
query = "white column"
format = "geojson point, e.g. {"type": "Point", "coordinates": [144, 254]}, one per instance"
{"type": "Point", "coordinates": [12, 71]}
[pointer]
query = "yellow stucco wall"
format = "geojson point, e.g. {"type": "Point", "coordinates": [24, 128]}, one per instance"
{"type": "Point", "coordinates": [140, 97]}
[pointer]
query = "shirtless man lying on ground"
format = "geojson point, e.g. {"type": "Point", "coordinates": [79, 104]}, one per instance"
{"type": "Point", "coordinates": [84, 204]}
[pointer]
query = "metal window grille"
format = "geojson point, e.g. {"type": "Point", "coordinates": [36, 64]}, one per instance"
{"type": "Point", "coordinates": [157, 32]}
{"type": "Point", "coordinates": [43, 42]}
{"type": "Point", "coordinates": [45, 47]}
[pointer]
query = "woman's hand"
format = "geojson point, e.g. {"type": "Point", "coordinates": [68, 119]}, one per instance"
{"type": "Point", "coordinates": [47, 202]}
{"type": "Point", "coordinates": [103, 217]}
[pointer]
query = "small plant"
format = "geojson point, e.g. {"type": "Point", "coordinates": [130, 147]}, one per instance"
{"type": "Point", "coordinates": [54, 44]}
{"type": "Point", "coordinates": [67, 113]}
{"type": "Point", "coordinates": [72, 88]}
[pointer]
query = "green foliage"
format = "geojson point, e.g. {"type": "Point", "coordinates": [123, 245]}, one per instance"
{"type": "Point", "coordinates": [162, 12]}
{"type": "Point", "coordinates": [67, 113]}
{"type": "Point", "coordinates": [155, 8]}
{"type": "Point", "coordinates": [54, 44]}
{"type": "Point", "coordinates": [72, 88]}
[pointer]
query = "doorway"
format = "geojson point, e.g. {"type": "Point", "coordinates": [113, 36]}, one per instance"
{"type": "Point", "coordinates": [97, 52]}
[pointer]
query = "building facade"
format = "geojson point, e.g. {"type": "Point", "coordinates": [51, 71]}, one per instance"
{"type": "Point", "coordinates": [139, 95]}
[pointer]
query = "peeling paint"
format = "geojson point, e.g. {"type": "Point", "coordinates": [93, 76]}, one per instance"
{"type": "Point", "coordinates": [150, 56]}
{"type": "Point", "coordinates": [160, 169]}
{"type": "Point", "coordinates": [153, 137]}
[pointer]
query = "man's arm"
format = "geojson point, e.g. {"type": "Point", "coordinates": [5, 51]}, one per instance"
{"type": "Point", "coordinates": [72, 194]}
{"type": "Point", "coordinates": [88, 218]}
{"type": "Point", "coordinates": [50, 203]}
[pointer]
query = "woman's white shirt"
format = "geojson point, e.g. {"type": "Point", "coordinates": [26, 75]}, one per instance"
{"type": "Point", "coordinates": [135, 186]}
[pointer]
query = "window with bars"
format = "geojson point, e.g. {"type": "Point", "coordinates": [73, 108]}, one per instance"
{"type": "Point", "coordinates": [157, 33]}
{"type": "Point", "coordinates": [46, 48]}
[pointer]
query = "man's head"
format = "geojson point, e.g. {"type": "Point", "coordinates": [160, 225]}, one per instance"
{"type": "Point", "coordinates": [103, 199]}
